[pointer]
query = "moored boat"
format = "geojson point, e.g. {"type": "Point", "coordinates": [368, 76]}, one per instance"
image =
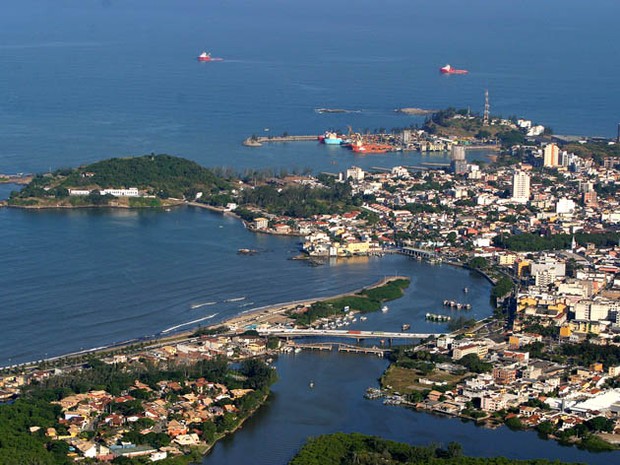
{"type": "Point", "coordinates": [361, 147]}
{"type": "Point", "coordinates": [330, 138]}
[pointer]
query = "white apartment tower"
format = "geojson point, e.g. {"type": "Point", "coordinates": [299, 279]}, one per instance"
{"type": "Point", "coordinates": [520, 187]}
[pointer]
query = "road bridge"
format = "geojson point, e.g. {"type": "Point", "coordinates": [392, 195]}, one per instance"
{"type": "Point", "coordinates": [422, 253]}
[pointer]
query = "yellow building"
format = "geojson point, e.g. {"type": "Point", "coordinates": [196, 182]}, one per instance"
{"type": "Point", "coordinates": [565, 331]}
{"type": "Point", "coordinates": [598, 367]}
{"type": "Point", "coordinates": [522, 267]}
{"type": "Point", "coordinates": [514, 342]}
{"type": "Point", "coordinates": [355, 248]}
{"type": "Point", "coordinates": [507, 260]}
{"type": "Point", "coordinates": [583, 326]}
{"type": "Point", "coordinates": [525, 302]}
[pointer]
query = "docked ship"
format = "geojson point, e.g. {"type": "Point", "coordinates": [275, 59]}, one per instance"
{"type": "Point", "coordinates": [384, 309]}
{"type": "Point", "coordinates": [450, 70]}
{"type": "Point", "coordinates": [204, 56]}
{"type": "Point", "coordinates": [361, 147]}
{"type": "Point", "coordinates": [330, 138]}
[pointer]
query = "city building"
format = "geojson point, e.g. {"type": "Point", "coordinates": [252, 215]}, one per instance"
{"type": "Point", "coordinates": [551, 155]}
{"type": "Point", "coordinates": [458, 165]}
{"type": "Point", "coordinates": [355, 173]}
{"type": "Point", "coordinates": [520, 187]}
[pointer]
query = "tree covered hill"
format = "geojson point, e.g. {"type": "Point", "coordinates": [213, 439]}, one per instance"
{"type": "Point", "coordinates": [161, 175]}
{"type": "Point", "coordinates": [351, 449]}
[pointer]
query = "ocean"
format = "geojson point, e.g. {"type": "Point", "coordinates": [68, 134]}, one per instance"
{"type": "Point", "coordinates": [81, 81]}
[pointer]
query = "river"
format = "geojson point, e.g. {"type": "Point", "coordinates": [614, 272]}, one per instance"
{"type": "Point", "coordinates": [295, 412]}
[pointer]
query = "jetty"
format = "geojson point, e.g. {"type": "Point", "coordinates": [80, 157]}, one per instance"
{"type": "Point", "coordinates": [259, 141]}
{"type": "Point", "coordinates": [20, 178]}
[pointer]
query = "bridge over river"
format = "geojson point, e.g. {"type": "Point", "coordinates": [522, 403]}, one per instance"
{"type": "Point", "coordinates": [351, 334]}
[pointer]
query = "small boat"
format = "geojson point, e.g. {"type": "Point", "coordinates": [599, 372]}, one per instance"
{"type": "Point", "coordinates": [311, 385]}
{"type": "Point", "coordinates": [384, 309]}
{"type": "Point", "coordinates": [246, 251]}
{"type": "Point", "coordinates": [450, 70]}
{"type": "Point", "coordinates": [204, 56]}
{"type": "Point", "coordinates": [405, 326]}
{"type": "Point", "coordinates": [297, 350]}
{"type": "Point", "coordinates": [363, 318]}
{"type": "Point", "coordinates": [465, 290]}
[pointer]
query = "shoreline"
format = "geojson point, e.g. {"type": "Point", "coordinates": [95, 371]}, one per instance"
{"type": "Point", "coordinates": [252, 316]}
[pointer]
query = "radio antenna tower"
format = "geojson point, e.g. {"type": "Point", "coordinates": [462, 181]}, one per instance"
{"type": "Point", "coordinates": [487, 108]}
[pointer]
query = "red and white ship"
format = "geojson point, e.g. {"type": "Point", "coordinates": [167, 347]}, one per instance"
{"type": "Point", "coordinates": [367, 147]}
{"type": "Point", "coordinates": [450, 70]}
{"type": "Point", "coordinates": [204, 56]}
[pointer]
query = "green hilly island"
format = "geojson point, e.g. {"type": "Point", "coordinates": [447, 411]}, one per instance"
{"type": "Point", "coordinates": [160, 179]}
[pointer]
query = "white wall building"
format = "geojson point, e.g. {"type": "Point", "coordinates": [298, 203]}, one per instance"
{"type": "Point", "coordinates": [131, 192]}
{"type": "Point", "coordinates": [565, 206]}
{"type": "Point", "coordinates": [79, 192]}
{"type": "Point", "coordinates": [355, 173]}
{"type": "Point", "coordinates": [596, 310]}
{"type": "Point", "coordinates": [520, 187]}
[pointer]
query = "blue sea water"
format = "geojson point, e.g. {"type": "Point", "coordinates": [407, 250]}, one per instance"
{"type": "Point", "coordinates": [86, 80]}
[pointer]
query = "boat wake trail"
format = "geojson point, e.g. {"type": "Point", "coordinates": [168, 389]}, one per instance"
{"type": "Point", "coordinates": [205, 304]}
{"type": "Point", "coordinates": [172, 328]}
{"type": "Point", "coordinates": [236, 299]}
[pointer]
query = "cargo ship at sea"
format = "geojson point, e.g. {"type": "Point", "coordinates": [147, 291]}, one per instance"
{"type": "Point", "coordinates": [450, 70]}
{"type": "Point", "coordinates": [204, 56]}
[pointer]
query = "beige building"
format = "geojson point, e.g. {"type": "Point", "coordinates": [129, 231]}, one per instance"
{"type": "Point", "coordinates": [551, 155]}
{"type": "Point", "coordinates": [261, 223]}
